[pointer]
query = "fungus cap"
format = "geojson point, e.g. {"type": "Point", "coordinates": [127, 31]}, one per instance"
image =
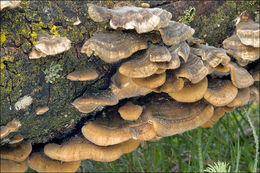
{"type": "Point", "coordinates": [193, 69]}
{"type": "Point", "coordinates": [256, 75]}
{"type": "Point", "coordinates": [172, 83]}
{"type": "Point", "coordinates": [220, 92]}
{"type": "Point", "coordinates": [41, 110]}
{"type": "Point", "coordinates": [214, 56]}
{"type": "Point", "coordinates": [41, 163]}
{"type": "Point", "coordinates": [218, 113]}
{"type": "Point", "coordinates": [11, 126]}
{"type": "Point", "coordinates": [158, 54]}
{"type": "Point", "coordinates": [176, 33]}
{"type": "Point", "coordinates": [81, 149]}
{"type": "Point", "coordinates": [241, 99]}
{"type": "Point", "coordinates": [130, 111]}
{"type": "Point", "coordinates": [10, 4]}
{"type": "Point", "coordinates": [52, 45]}
{"type": "Point", "coordinates": [171, 117]}
{"type": "Point", "coordinates": [101, 97]}
{"type": "Point", "coordinates": [12, 166]}
{"type": "Point", "coordinates": [241, 52]}
{"type": "Point", "coordinates": [152, 81]}
{"type": "Point", "coordinates": [240, 77]}
{"type": "Point", "coordinates": [124, 87]}
{"type": "Point", "coordinates": [85, 108]}
{"type": "Point", "coordinates": [16, 152]}
{"type": "Point", "coordinates": [83, 75]}
{"type": "Point", "coordinates": [16, 139]}
{"type": "Point", "coordinates": [247, 30]}
{"type": "Point", "coordinates": [112, 46]}
{"type": "Point", "coordinates": [35, 54]}
{"type": "Point", "coordinates": [191, 92]}
{"type": "Point", "coordinates": [138, 67]}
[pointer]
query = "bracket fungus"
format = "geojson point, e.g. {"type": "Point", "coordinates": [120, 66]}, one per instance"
{"type": "Point", "coordinates": [42, 163]}
{"type": "Point", "coordinates": [16, 139]}
{"type": "Point", "coordinates": [176, 33]}
{"type": "Point", "coordinates": [218, 113]}
{"type": "Point", "coordinates": [247, 30]}
{"type": "Point", "coordinates": [214, 56]}
{"type": "Point", "coordinates": [80, 149]}
{"type": "Point", "coordinates": [41, 110]}
{"type": "Point", "coordinates": [49, 45]}
{"type": "Point", "coordinates": [83, 75]}
{"type": "Point", "coordinates": [104, 132]}
{"type": "Point", "coordinates": [139, 66]}
{"type": "Point", "coordinates": [241, 99]}
{"type": "Point", "coordinates": [130, 17]}
{"type": "Point", "coordinates": [93, 100]}
{"type": "Point", "coordinates": [130, 111]}
{"type": "Point", "coordinates": [16, 152]}
{"type": "Point", "coordinates": [256, 75]}
{"type": "Point", "coordinates": [152, 81]}
{"type": "Point", "coordinates": [193, 69]}
{"type": "Point", "coordinates": [9, 4]}
{"type": "Point", "coordinates": [171, 85]}
{"type": "Point", "coordinates": [240, 77]}
{"type": "Point", "coordinates": [172, 117]}
{"type": "Point", "coordinates": [191, 92]}
{"type": "Point", "coordinates": [7, 166]}
{"type": "Point", "coordinates": [112, 46]}
{"type": "Point", "coordinates": [159, 53]}
{"type": "Point", "coordinates": [220, 92]}
{"type": "Point", "coordinates": [124, 87]}
{"type": "Point", "coordinates": [242, 53]}
{"type": "Point", "coordinates": [11, 126]}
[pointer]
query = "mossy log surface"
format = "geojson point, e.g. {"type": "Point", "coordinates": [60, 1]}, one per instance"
{"type": "Point", "coordinates": [23, 76]}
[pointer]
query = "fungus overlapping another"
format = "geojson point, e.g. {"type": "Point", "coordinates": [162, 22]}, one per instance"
{"type": "Point", "coordinates": [130, 17]}
{"type": "Point", "coordinates": [41, 163]}
{"type": "Point", "coordinates": [191, 92]}
{"type": "Point", "coordinates": [112, 46]}
{"type": "Point", "coordinates": [171, 117]}
{"type": "Point", "coordinates": [130, 111]}
{"type": "Point", "coordinates": [242, 53]}
{"type": "Point", "coordinates": [79, 148]}
{"type": "Point", "coordinates": [12, 126]}
{"type": "Point", "coordinates": [220, 92]}
{"type": "Point", "coordinates": [247, 30]}
{"type": "Point", "coordinates": [193, 69]}
{"type": "Point", "coordinates": [175, 33]}
{"type": "Point", "coordinates": [9, 166]}
{"type": "Point", "coordinates": [16, 152]}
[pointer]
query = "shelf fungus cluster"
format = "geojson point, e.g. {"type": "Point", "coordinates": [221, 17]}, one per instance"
{"type": "Point", "coordinates": [192, 85]}
{"type": "Point", "coordinates": [243, 45]}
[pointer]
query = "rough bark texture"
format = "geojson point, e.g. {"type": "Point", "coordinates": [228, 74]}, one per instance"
{"type": "Point", "coordinates": [22, 76]}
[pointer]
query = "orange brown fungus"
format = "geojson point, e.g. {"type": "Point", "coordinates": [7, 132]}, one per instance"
{"type": "Point", "coordinates": [218, 113]}
{"type": "Point", "coordinates": [130, 111]}
{"type": "Point", "coordinates": [8, 166]}
{"type": "Point", "coordinates": [12, 126]}
{"type": "Point", "coordinates": [80, 149]}
{"type": "Point", "coordinates": [41, 163]}
{"type": "Point", "coordinates": [191, 92]}
{"type": "Point", "coordinates": [83, 75]}
{"type": "Point", "coordinates": [220, 92]}
{"type": "Point", "coordinates": [16, 152]}
{"type": "Point", "coordinates": [171, 117]}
